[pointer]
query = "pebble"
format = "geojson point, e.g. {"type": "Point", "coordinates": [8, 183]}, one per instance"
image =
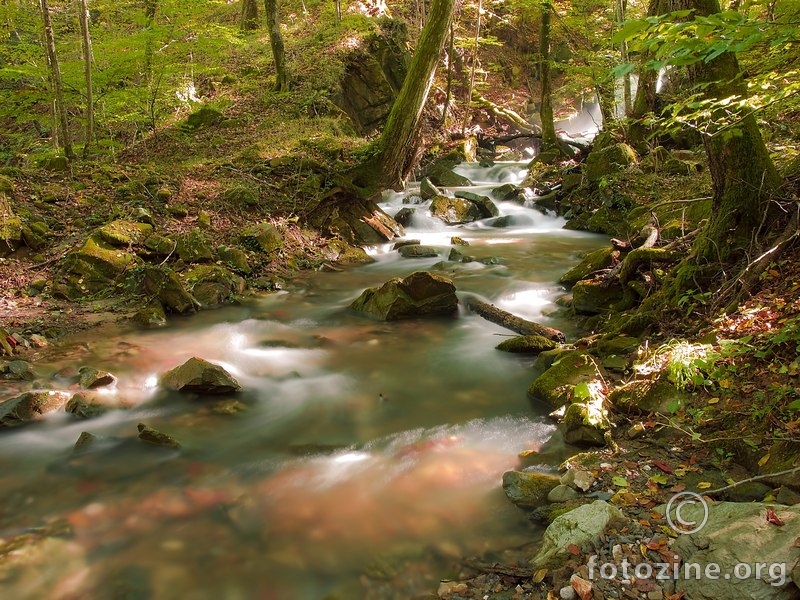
{"type": "Point", "coordinates": [567, 593]}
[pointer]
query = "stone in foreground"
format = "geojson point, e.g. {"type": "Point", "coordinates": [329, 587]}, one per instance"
{"type": "Point", "coordinates": [421, 294]}
{"type": "Point", "coordinates": [199, 376]}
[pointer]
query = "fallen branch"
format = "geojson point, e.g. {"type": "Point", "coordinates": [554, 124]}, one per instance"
{"type": "Point", "coordinates": [750, 479]}
{"type": "Point", "coordinates": [505, 319]}
{"type": "Point", "coordinates": [504, 113]}
{"type": "Point", "coordinates": [498, 569]}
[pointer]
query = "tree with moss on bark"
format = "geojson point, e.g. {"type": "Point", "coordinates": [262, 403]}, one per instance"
{"type": "Point", "coordinates": [282, 76]}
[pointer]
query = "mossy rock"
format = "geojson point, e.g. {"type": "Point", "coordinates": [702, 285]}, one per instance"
{"type": "Point", "coordinates": [418, 251]}
{"type": "Point", "coordinates": [262, 237]}
{"type": "Point", "coordinates": [54, 163]}
{"type": "Point", "coordinates": [30, 406]}
{"type": "Point", "coordinates": [11, 236]}
{"type": "Point", "coordinates": [614, 344]}
{"type": "Point", "coordinates": [404, 215]}
{"type": "Point", "coordinates": [32, 238]}
{"type": "Point", "coordinates": [212, 285]}
{"type": "Point", "coordinates": [235, 259]}
{"type": "Point", "coordinates": [124, 233]}
{"type": "Point", "coordinates": [526, 344]}
{"type": "Point", "coordinates": [239, 195]}
{"type": "Point", "coordinates": [528, 489]}
{"type": "Point", "coordinates": [674, 219]}
{"type": "Point", "coordinates": [584, 426]}
{"type": "Point", "coordinates": [204, 117]}
{"type": "Point", "coordinates": [339, 251]}
{"type": "Point", "coordinates": [556, 385]}
{"type": "Point", "coordinates": [454, 211]}
{"type": "Point", "coordinates": [604, 162]}
{"type": "Point", "coordinates": [421, 294]}
{"type": "Point", "coordinates": [608, 221]}
{"type": "Point", "coordinates": [444, 176]}
{"type": "Point", "coordinates": [601, 258]}
{"type": "Point", "coordinates": [164, 284]}
{"type": "Point", "coordinates": [96, 267]}
{"type": "Point", "coordinates": [591, 297]}
{"type": "Point", "coordinates": [484, 204]}
{"type": "Point", "coordinates": [158, 246]}
{"type": "Point", "coordinates": [427, 190]}
{"type": "Point", "coordinates": [194, 247]}
{"type": "Point", "coordinates": [645, 396]}
{"type": "Point", "coordinates": [151, 316]}
{"type": "Point", "coordinates": [546, 359]}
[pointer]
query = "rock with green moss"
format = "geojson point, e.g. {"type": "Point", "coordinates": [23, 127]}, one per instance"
{"type": "Point", "coordinates": [528, 489]}
{"type": "Point", "coordinates": [239, 195]}
{"type": "Point", "coordinates": [95, 267]}
{"type": "Point", "coordinates": [427, 190]}
{"type": "Point", "coordinates": [643, 396]}
{"type": "Point", "coordinates": [616, 344]}
{"type": "Point", "coordinates": [601, 258]}
{"type": "Point", "coordinates": [205, 117]}
{"type": "Point", "coordinates": [151, 316]}
{"type": "Point", "coordinates": [343, 253]}
{"type": "Point", "coordinates": [194, 247]}
{"type": "Point", "coordinates": [122, 234]}
{"type": "Point", "coordinates": [421, 294]}
{"type": "Point", "coordinates": [10, 231]}
{"type": "Point", "coordinates": [418, 251]}
{"type": "Point", "coordinates": [162, 283]}
{"type": "Point", "coordinates": [158, 246]}
{"type": "Point", "coordinates": [585, 424]}
{"type": "Point", "coordinates": [608, 221]}
{"type": "Point", "coordinates": [606, 161]}
{"type": "Point", "coordinates": [235, 259]}
{"type": "Point", "coordinates": [526, 344]}
{"type": "Point", "coordinates": [454, 211]}
{"type": "Point", "coordinates": [557, 384]}
{"type": "Point", "coordinates": [30, 406]}
{"type": "Point", "coordinates": [157, 438]}
{"type": "Point", "coordinates": [212, 285]}
{"type": "Point", "coordinates": [592, 297]}
{"type": "Point", "coordinates": [484, 204]}
{"type": "Point", "coordinates": [262, 237]}
{"type": "Point", "coordinates": [35, 234]}
{"type": "Point", "coordinates": [6, 185]}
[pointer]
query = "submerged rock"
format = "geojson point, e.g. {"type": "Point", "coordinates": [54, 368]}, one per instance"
{"type": "Point", "coordinates": [421, 294]}
{"type": "Point", "coordinates": [199, 376]}
{"type": "Point", "coordinates": [90, 378]}
{"type": "Point", "coordinates": [526, 344]}
{"type": "Point", "coordinates": [83, 408]}
{"type": "Point", "coordinates": [418, 251]}
{"type": "Point", "coordinates": [157, 438]}
{"type": "Point", "coordinates": [30, 406]}
{"type": "Point", "coordinates": [17, 370]}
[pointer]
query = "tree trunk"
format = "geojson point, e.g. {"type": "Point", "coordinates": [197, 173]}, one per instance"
{"type": "Point", "coordinates": [397, 144]}
{"type": "Point", "coordinates": [467, 113]}
{"type": "Point", "coordinates": [55, 74]}
{"type": "Point", "coordinates": [249, 20]}
{"type": "Point", "coordinates": [449, 91]}
{"type": "Point", "coordinates": [282, 77]}
{"type": "Point", "coordinates": [87, 68]}
{"type": "Point", "coordinates": [623, 51]}
{"type": "Point", "coordinates": [743, 175]}
{"type": "Point", "coordinates": [549, 139]}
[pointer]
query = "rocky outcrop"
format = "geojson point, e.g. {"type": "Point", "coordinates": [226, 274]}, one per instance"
{"type": "Point", "coordinates": [262, 237]}
{"type": "Point", "coordinates": [643, 396]}
{"type": "Point", "coordinates": [556, 385]}
{"type": "Point", "coordinates": [608, 160]}
{"type": "Point", "coordinates": [484, 204]}
{"type": "Point", "coordinates": [212, 285]}
{"type": "Point", "coordinates": [592, 296]}
{"type": "Point", "coordinates": [527, 344]}
{"type": "Point", "coordinates": [199, 376]}
{"type": "Point", "coordinates": [421, 294]}
{"type": "Point", "coordinates": [164, 284]}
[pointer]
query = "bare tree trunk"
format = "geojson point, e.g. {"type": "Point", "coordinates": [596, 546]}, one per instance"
{"type": "Point", "coordinates": [549, 139]}
{"type": "Point", "coordinates": [449, 91]}
{"type": "Point", "coordinates": [337, 4]}
{"type": "Point", "coordinates": [474, 66]}
{"type": "Point", "coordinates": [249, 20]}
{"type": "Point", "coordinates": [282, 77]}
{"type": "Point", "coordinates": [623, 51]}
{"type": "Point", "coordinates": [55, 74]}
{"type": "Point", "coordinates": [397, 144]}
{"type": "Point", "coordinates": [87, 68]}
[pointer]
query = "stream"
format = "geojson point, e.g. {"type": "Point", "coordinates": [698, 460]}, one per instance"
{"type": "Point", "coordinates": [367, 458]}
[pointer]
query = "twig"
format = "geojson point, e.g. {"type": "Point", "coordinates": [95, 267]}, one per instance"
{"type": "Point", "coordinates": [750, 479]}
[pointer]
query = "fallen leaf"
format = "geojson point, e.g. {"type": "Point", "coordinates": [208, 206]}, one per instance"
{"type": "Point", "coordinates": [574, 550]}
{"type": "Point", "coordinates": [713, 400]}
{"type": "Point", "coordinates": [679, 595]}
{"type": "Point", "coordinates": [764, 460]}
{"type": "Point", "coordinates": [675, 489]}
{"type": "Point", "coordinates": [582, 587]}
{"type": "Point", "coordinates": [662, 466]}
{"type": "Point", "coordinates": [619, 481]}
{"type": "Point", "coordinates": [703, 485]}
{"type": "Point", "coordinates": [660, 479]}
{"type": "Point", "coordinates": [539, 576]}
{"type": "Point", "coordinates": [773, 518]}
{"type": "Point", "coordinates": [796, 543]}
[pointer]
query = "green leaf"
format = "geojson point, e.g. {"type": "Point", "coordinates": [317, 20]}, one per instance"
{"type": "Point", "coordinates": [794, 405]}
{"type": "Point", "coordinates": [620, 481]}
{"type": "Point", "coordinates": [660, 478]}
{"type": "Point", "coordinates": [581, 391]}
{"type": "Point", "coordinates": [628, 30]}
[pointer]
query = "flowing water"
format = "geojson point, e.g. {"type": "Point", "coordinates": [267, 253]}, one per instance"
{"type": "Point", "coordinates": [368, 455]}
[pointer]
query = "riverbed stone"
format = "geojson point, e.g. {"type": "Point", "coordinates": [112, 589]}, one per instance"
{"type": "Point", "coordinates": [585, 424]}
{"type": "Point", "coordinates": [151, 316]}
{"type": "Point", "coordinates": [82, 407]}
{"type": "Point", "coordinates": [485, 206]}
{"type": "Point", "coordinates": [581, 527]}
{"type": "Point", "coordinates": [454, 211]}
{"type": "Point", "coordinates": [562, 493]}
{"type": "Point", "coordinates": [556, 385]}
{"type": "Point", "coordinates": [580, 479]}
{"type": "Point", "coordinates": [643, 396]}
{"type": "Point", "coordinates": [212, 285]}
{"type": "Point", "coordinates": [235, 259]}
{"type": "Point", "coordinates": [427, 190]}
{"type": "Point", "coordinates": [593, 261]}
{"type": "Point", "coordinates": [404, 215]}
{"type": "Point", "coordinates": [736, 534]}
{"type": "Point", "coordinates": [592, 297]}
{"type": "Point", "coordinates": [194, 247]}
{"type": "Point", "coordinates": [19, 370]}
{"type": "Point", "coordinates": [30, 406]}
{"type": "Point", "coordinates": [421, 294]}
{"type": "Point", "coordinates": [157, 438]}
{"type": "Point", "coordinates": [197, 375]}
{"type": "Point", "coordinates": [418, 251]}
{"type": "Point", "coordinates": [90, 378]}
{"type": "Point", "coordinates": [528, 489]}
{"type": "Point", "coordinates": [526, 344]}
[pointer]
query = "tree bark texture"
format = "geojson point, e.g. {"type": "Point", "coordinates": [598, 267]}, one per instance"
{"type": "Point", "coordinates": [282, 77]}
{"type": "Point", "coordinates": [87, 69]}
{"type": "Point", "coordinates": [505, 319]}
{"type": "Point", "coordinates": [397, 144]}
{"type": "Point", "coordinates": [55, 74]}
{"type": "Point", "coordinates": [249, 20]}
{"type": "Point", "coordinates": [549, 139]}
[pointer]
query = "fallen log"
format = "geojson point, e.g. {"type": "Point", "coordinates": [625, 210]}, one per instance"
{"type": "Point", "coordinates": [505, 319]}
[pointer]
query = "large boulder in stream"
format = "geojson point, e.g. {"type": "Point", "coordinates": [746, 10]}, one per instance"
{"type": "Point", "coordinates": [199, 376]}
{"type": "Point", "coordinates": [557, 384]}
{"type": "Point", "coordinates": [421, 294]}
{"type": "Point", "coordinates": [454, 211]}
{"type": "Point", "coordinates": [30, 406]}
{"type": "Point", "coordinates": [484, 204]}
